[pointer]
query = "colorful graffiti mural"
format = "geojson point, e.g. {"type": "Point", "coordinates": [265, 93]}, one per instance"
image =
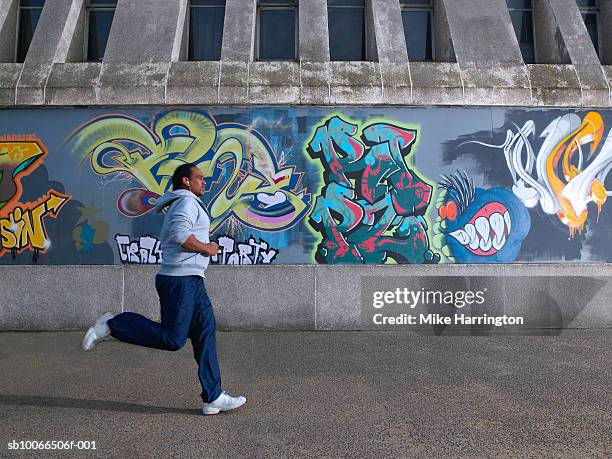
{"type": "Point", "coordinates": [256, 190]}
{"type": "Point", "coordinates": [89, 232]}
{"type": "Point", "coordinates": [22, 224]}
{"type": "Point", "coordinates": [566, 178]}
{"type": "Point", "coordinates": [310, 185]}
{"type": "Point", "coordinates": [147, 250]}
{"type": "Point", "coordinates": [249, 252]}
{"type": "Point", "coordinates": [372, 204]}
{"type": "Point", "coordinates": [476, 225]}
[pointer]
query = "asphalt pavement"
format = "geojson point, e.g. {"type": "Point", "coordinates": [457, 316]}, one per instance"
{"type": "Point", "coordinates": [349, 394]}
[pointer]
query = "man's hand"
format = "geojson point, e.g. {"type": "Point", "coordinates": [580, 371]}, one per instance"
{"type": "Point", "coordinates": [213, 248]}
{"type": "Point", "coordinates": [194, 245]}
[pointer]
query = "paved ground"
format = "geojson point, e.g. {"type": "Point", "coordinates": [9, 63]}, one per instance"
{"type": "Point", "coordinates": [316, 393]}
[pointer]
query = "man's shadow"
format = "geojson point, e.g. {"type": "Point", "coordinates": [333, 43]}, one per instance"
{"type": "Point", "coordinates": [103, 405]}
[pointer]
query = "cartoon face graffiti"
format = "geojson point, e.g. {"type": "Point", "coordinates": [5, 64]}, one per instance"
{"type": "Point", "coordinates": [479, 226]}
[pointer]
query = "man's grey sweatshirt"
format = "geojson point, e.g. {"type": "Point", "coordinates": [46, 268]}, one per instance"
{"type": "Point", "coordinates": [186, 215]}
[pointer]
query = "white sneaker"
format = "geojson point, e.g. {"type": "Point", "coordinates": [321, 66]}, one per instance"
{"type": "Point", "coordinates": [98, 332]}
{"type": "Point", "coordinates": [224, 402]}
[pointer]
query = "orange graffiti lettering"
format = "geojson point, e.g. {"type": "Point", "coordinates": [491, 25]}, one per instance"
{"type": "Point", "coordinates": [23, 227]}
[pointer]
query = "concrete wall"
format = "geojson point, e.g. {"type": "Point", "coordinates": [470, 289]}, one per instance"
{"type": "Point", "coordinates": [479, 63]}
{"type": "Point", "coordinates": [303, 297]}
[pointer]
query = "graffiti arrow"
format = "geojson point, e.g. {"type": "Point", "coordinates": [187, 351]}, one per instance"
{"type": "Point", "coordinates": [55, 201]}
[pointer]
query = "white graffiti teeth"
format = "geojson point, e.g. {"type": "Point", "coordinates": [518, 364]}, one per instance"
{"type": "Point", "coordinates": [486, 233]}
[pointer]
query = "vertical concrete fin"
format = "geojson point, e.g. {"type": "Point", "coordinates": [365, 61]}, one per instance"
{"type": "Point", "coordinates": [76, 50]}
{"type": "Point", "coordinates": [8, 29]}
{"type": "Point", "coordinates": [485, 38]}
{"type": "Point", "coordinates": [575, 35]}
{"type": "Point", "coordinates": [443, 41]}
{"type": "Point", "coordinates": [47, 42]}
{"type": "Point", "coordinates": [389, 31]}
{"type": "Point", "coordinates": [549, 41]}
{"type": "Point", "coordinates": [71, 41]}
{"type": "Point", "coordinates": [179, 46]}
{"type": "Point", "coordinates": [239, 31]}
{"type": "Point", "coordinates": [606, 32]}
{"type": "Point", "coordinates": [594, 85]}
{"type": "Point", "coordinates": [144, 31]}
{"type": "Point", "coordinates": [313, 31]}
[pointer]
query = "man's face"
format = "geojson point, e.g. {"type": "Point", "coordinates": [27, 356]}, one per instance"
{"type": "Point", "coordinates": [196, 182]}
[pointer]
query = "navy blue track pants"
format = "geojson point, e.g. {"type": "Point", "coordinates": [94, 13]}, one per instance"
{"type": "Point", "coordinates": [186, 311]}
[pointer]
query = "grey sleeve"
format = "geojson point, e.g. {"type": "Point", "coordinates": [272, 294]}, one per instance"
{"type": "Point", "coordinates": [182, 218]}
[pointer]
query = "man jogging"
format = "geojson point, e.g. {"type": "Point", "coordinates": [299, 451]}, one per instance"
{"type": "Point", "coordinates": [186, 310]}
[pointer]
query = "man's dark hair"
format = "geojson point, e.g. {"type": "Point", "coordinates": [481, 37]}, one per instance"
{"type": "Point", "coordinates": [184, 170]}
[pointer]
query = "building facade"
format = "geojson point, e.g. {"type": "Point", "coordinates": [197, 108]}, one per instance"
{"type": "Point", "coordinates": [352, 147]}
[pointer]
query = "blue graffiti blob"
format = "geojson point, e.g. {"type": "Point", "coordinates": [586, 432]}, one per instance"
{"type": "Point", "coordinates": [87, 237]}
{"type": "Point", "coordinates": [478, 225]}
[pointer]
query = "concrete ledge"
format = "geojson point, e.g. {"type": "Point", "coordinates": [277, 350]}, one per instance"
{"type": "Point", "coordinates": [139, 294]}
{"type": "Point", "coordinates": [339, 288]}
{"type": "Point", "coordinates": [396, 83]}
{"type": "Point", "coordinates": [315, 83]}
{"type": "Point", "coordinates": [304, 83]}
{"type": "Point", "coordinates": [304, 297]}
{"type": "Point", "coordinates": [265, 297]}
{"type": "Point", "coordinates": [234, 83]}
{"type": "Point", "coordinates": [193, 83]}
{"type": "Point", "coordinates": [9, 74]}
{"type": "Point", "coordinates": [595, 87]}
{"type": "Point", "coordinates": [436, 83]}
{"type": "Point", "coordinates": [138, 84]}
{"type": "Point", "coordinates": [495, 85]}
{"type": "Point", "coordinates": [555, 85]}
{"type": "Point", "coordinates": [356, 83]}
{"type": "Point", "coordinates": [32, 83]}
{"type": "Point", "coordinates": [274, 83]}
{"type": "Point", "coordinates": [72, 83]}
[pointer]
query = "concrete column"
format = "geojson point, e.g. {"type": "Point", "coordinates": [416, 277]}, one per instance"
{"type": "Point", "coordinates": [389, 31]}
{"type": "Point", "coordinates": [54, 32]}
{"type": "Point", "coordinates": [145, 31]}
{"type": "Point", "coordinates": [443, 43]}
{"type": "Point", "coordinates": [482, 32]}
{"type": "Point", "coordinates": [239, 31]}
{"type": "Point", "coordinates": [595, 88]}
{"type": "Point", "coordinates": [574, 32]}
{"type": "Point", "coordinates": [491, 66]}
{"type": "Point", "coordinates": [51, 43]}
{"type": "Point", "coordinates": [313, 31]}
{"type": "Point", "coordinates": [605, 31]}
{"type": "Point", "coordinates": [549, 43]}
{"type": "Point", "coordinates": [8, 29]}
{"type": "Point", "coordinates": [179, 48]}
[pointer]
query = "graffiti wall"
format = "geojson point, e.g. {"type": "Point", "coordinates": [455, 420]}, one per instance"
{"type": "Point", "coordinates": [310, 185]}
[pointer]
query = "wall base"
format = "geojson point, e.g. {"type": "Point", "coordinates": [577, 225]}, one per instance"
{"type": "Point", "coordinates": [312, 297]}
